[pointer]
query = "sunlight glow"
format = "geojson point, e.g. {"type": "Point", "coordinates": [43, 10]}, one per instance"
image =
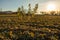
{"type": "Point", "coordinates": [51, 7]}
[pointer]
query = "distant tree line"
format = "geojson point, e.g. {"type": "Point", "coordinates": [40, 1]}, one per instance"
{"type": "Point", "coordinates": [21, 11]}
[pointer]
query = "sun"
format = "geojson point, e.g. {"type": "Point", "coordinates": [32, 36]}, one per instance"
{"type": "Point", "coordinates": [51, 7]}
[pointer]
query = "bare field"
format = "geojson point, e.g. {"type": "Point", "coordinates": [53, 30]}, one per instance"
{"type": "Point", "coordinates": [38, 27]}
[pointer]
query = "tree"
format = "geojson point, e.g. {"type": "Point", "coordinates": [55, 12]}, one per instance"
{"type": "Point", "coordinates": [18, 11]}
{"type": "Point", "coordinates": [36, 7]}
{"type": "Point", "coordinates": [29, 9]}
{"type": "Point", "coordinates": [22, 10]}
{"type": "Point", "coordinates": [52, 12]}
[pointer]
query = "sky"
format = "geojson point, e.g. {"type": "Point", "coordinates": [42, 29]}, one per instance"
{"type": "Point", "coordinates": [12, 5]}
